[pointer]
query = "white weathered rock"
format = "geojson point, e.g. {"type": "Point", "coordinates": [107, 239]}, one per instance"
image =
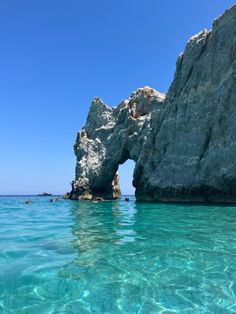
{"type": "Point", "coordinates": [183, 143]}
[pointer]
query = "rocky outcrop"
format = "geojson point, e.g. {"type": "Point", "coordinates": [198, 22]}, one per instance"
{"type": "Point", "coordinates": [109, 138]}
{"type": "Point", "coordinates": [183, 142]}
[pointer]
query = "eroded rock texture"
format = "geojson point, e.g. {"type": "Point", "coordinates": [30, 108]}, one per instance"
{"type": "Point", "coordinates": [183, 143]}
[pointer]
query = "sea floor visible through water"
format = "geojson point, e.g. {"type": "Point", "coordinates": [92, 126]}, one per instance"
{"type": "Point", "coordinates": [116, 257]}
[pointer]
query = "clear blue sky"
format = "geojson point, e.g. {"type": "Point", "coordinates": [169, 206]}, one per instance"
{"type": "Point", "coordinates": [57, 55]}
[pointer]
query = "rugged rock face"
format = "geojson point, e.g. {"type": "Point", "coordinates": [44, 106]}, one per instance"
{"type": "Point", "coordinates": [183, 143]}
{"type": "Point", "coordinates": [109, 138]}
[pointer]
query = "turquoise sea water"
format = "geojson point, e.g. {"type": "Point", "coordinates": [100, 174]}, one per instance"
{"type": "Point", "coordinates": [116, 257]}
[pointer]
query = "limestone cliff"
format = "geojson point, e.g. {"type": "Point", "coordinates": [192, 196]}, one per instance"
{"type": "Point", "coordinates": [183, 142]}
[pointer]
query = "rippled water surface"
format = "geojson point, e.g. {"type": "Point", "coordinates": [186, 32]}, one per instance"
{"type": "Point", "coordinates": [116, 257]}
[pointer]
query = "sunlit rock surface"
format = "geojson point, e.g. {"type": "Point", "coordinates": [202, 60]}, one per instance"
{"type": "Point", "coordinates": [183, 142]}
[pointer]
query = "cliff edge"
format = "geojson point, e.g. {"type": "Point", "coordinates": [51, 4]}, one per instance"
{"type": "Point", "coordinates": [183, 142]}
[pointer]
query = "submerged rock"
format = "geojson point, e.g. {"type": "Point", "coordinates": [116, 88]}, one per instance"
{"type": "Point", "coordinates": [183, 142]}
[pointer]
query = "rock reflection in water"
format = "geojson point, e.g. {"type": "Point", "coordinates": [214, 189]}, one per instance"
{"type": "Point", "coordinates": [98, 227]}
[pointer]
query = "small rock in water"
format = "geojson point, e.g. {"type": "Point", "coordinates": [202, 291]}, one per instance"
{"type": "Point", "coordinates": [86, 197]}
{"type": "Point", "coordinates": [99, 199]}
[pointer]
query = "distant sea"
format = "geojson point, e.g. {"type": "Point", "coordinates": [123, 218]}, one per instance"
{"type": "Point", "coordinates": [116, 257]}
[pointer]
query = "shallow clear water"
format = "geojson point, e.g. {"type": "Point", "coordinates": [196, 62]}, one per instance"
{"type": "Point", "coordinates": [116, 257]}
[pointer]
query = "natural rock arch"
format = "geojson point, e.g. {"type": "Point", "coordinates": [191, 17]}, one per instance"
{"type": "Point", "coordinates": [110, 137]}
{"type": "Point", "coordinates": [183, 143]}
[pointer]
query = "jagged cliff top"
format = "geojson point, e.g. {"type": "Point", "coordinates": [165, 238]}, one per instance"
{"type": "Point", "coordinates": [147, 91]}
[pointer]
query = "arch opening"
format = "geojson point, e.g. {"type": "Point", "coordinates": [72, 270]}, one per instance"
{"type": "Point", "coordinates": [126, 173]}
